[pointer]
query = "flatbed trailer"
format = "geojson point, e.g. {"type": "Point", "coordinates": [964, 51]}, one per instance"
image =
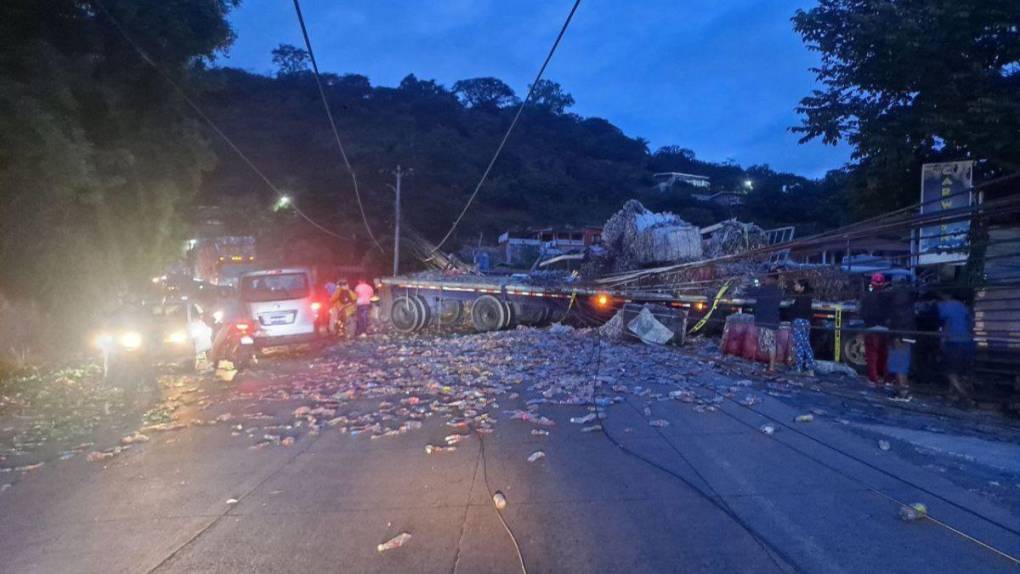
{"type": "Point", "coordinates": [492, 303]}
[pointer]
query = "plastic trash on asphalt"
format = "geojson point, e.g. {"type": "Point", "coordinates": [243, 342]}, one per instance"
{"type": "Point", "coordinates": [913, 512]}
{"type": "Point", "coordinates": [659, 423]}
{"type": "Point", "coordinates": [395, 542]}
{"type": "Point", "coordinates": [499, 500]}
{"type": "Point", "coordinates": [768, 428]}
{"type": "Point", "coordinates": [536, 456]}
{"type": "Point", "coordinates": [804, 418]}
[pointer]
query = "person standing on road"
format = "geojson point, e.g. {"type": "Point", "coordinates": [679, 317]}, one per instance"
{"type": "Point", "coordinates": [365, 293]}
{"type": "Point", "coordinates": [801, 313]}
{"type": "Point", "coordinates": [902, 324]}
{"type": "Point", "coordinates": [876, 337]}
{"type": "Point", "coordinates": [957, 341]}
{"type": "Point", "coordinates": [767, 298]}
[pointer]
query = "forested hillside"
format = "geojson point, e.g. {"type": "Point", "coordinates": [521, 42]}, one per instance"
{"type": "Point", "coordinates": [558, 168]}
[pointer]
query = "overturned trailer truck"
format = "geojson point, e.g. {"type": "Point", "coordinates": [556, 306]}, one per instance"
{"type": "Point", "coordinates": [491, 303]}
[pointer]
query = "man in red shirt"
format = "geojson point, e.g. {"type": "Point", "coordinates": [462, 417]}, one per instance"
{"type": "Point", "coordinates": [365, 293]}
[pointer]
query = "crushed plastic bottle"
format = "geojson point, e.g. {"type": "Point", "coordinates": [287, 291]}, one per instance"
{"type": "Point", "coordinates": [913, 512]}
{"type": "Point", "coordinates": [768, 429]}
{"type": "Point", "coordinates": [582, 420]}
{"type": "Point", "coordinates": [804, 418]}
{"type": "Point", "coordinates": [395, 542]}
{"type": "Point", "coordinates": [660, 423]}
{"type": "Point", "coordinates": [536, 455]}
{"type": "Point", "coordinates": [499, 500]}
{"type": "Point", "coordinates": [539, 432]}
{"type": "Point", "coordinates": [591, 428]}
{"type": "Point", "coordinates": [884, 444]}
{"type": "Point", "coordinates": [432, 449]}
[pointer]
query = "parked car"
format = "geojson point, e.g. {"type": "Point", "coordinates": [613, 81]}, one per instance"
{"type": "Point", "coordinates": [283, 304]}
{"type": "Point", "coordinates": [143, 335]}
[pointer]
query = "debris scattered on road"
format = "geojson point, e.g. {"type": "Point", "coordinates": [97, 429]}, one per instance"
{"type": "Point", "coordinates": [591, 428]}
{"type": "Point", "coordinates": [659, 423]}
{"type": "Point", "coordinates": [232, 501]}
{"type": "Point", "coordinates": [136, 437]}
{"type": "Point", "coordinates": [883, 444]}
{"type": "Point", "coordinates": [431, 449]}
{"type": "Point", "coordinates": [395, 542]}
{"type": "Point", "coordinates": [582, 420]}
{"type": "Point", "coordinates": [768, 428]}
{"type": "Point", "coordinates": [804, 418]}
{"type": "Point", "coordinates": [536, 455]}
{"type": "Point", "coordinates": [540, 432]}
{"type": "Point", "coordinates": [499, 500]}
{"type": "Point", "coordinates": [913, 512]}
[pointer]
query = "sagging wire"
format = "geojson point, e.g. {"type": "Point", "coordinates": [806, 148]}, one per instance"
{"type": "Point", "coordinates": [499, 513]}
{"type": "Point", "coordinates": [715, 500]}
{"type": "Point", "coordinates": [332, 123]}
{"type": "Point", "coordinates": [871, 466]}
{"type": "Point", "coordinates": [280, 196]}
{"type": "Point", "coordinates": [513, 124]}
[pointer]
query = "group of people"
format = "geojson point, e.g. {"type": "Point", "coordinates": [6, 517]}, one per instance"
{"type": "Point", "coordinates": [346, 301]}
{"type": "Point", "coordinates": [888, 312]}
{"type": "Point", "coordinates": [768, 299]}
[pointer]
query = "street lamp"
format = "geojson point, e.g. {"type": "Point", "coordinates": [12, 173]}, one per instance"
{"type": "Point", "coordinates": [283, 202]}
{"type": "Point", "coordinates": [748, 184]}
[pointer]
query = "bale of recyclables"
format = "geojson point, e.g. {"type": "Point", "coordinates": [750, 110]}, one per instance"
{"type": "Point", "coordinates": [637, 237]}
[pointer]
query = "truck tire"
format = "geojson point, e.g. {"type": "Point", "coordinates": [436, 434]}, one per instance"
{"type": "Point", "coordinates": [425, 312]}
{"type": "Point", "coordinates": [853, 353]}
{"type": "Point", "coordinates": [488, 314]}
{"type": "Point", "coordinates": [530, 313]}
{"type": "Point", "coordinates": [511, 316]}
{"type": "Point", "coordinates": [406, 314]}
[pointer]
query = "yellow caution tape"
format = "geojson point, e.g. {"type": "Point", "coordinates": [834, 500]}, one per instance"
{"type": "Point", "coordinates": [838, 351]}
{"type": "Point", "coordinates": [715, 303]}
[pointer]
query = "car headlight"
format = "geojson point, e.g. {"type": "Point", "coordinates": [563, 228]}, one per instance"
{"type": "Point", "coordinates": [218, 316]}
{"type": "Point", "coordinates": [130, 340]}
{"type": "Point", "coordinates": [103, 341]}
{"type": "Point", "coordinates": [177, 338]}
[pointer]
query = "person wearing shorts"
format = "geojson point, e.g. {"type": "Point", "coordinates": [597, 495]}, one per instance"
{"type": "Point", "coordinates": [767, 298]}
{"type": "Point", "coordinates": [957, 341]}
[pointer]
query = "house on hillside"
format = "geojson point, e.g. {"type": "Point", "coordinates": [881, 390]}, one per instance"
{"type": "Point", "coordinates": [665, 181]}
{"type": "Point", "coordinates": [523, 247]}
{"type": "Point", "coordinates": [722, 198]}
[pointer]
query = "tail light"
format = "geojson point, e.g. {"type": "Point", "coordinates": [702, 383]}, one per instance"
{"type": "Point", "coordinates": [316, 306]}
{"type": "Point", "coordinates": [242, 326]}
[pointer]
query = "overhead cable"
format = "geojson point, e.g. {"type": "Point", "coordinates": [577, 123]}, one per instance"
{"type": "Point", "coordinates": [332, 123]}
{"type": "Point", "coordinates": [212, 125]}
{"type": "Point", "coordinates": [506, 136]}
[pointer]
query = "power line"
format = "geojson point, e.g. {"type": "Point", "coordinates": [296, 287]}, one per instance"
{"type": "Point", "coordinates": [332, 123]}
{"type": "Point", "coordinates": [506, 136]}
{"type": "Point", "coordinates": [212, 125]}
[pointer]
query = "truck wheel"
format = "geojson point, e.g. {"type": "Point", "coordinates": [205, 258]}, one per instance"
{"type": "Point", "coordinates": [530, 314]}
{"type": "Point", "coordinates": [853, 353]}
{"type": "Point", "coordinates": [451, 311]}
{"type": "Point", "coordinates": [488, 314]}
{"type": "Point", "coordinates": [511, 316]}
{"type": "Point", "coordinates": [424, 311]}
{"type": "Point", "coordinates": [406, 314]}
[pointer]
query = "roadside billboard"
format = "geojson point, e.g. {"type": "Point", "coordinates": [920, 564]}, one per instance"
{"type": "Point", "coordinates": [945, 187]}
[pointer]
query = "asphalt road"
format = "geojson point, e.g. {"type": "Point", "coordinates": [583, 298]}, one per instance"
{"type": "Point", "coordinates": [708, 493]}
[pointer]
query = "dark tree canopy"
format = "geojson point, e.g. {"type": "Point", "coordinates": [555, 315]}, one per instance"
{"type": "Point", "coordinates": [99, 156]}
{"type": "Point", "coordinates": [485, 93]}
{"type": "Point", "coordinates": [549, 95]}
{"type": "Point", "coordinates": [909, 81]}
{"type": "Point", "coordinates": [290, 60]}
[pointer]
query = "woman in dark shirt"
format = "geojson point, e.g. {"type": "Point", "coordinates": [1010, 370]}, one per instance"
{"type": "Point", "coordinates": [803, 354]}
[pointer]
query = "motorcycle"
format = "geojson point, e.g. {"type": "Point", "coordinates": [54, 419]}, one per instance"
{"type": "Point", "coordinates": [235, 342]}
